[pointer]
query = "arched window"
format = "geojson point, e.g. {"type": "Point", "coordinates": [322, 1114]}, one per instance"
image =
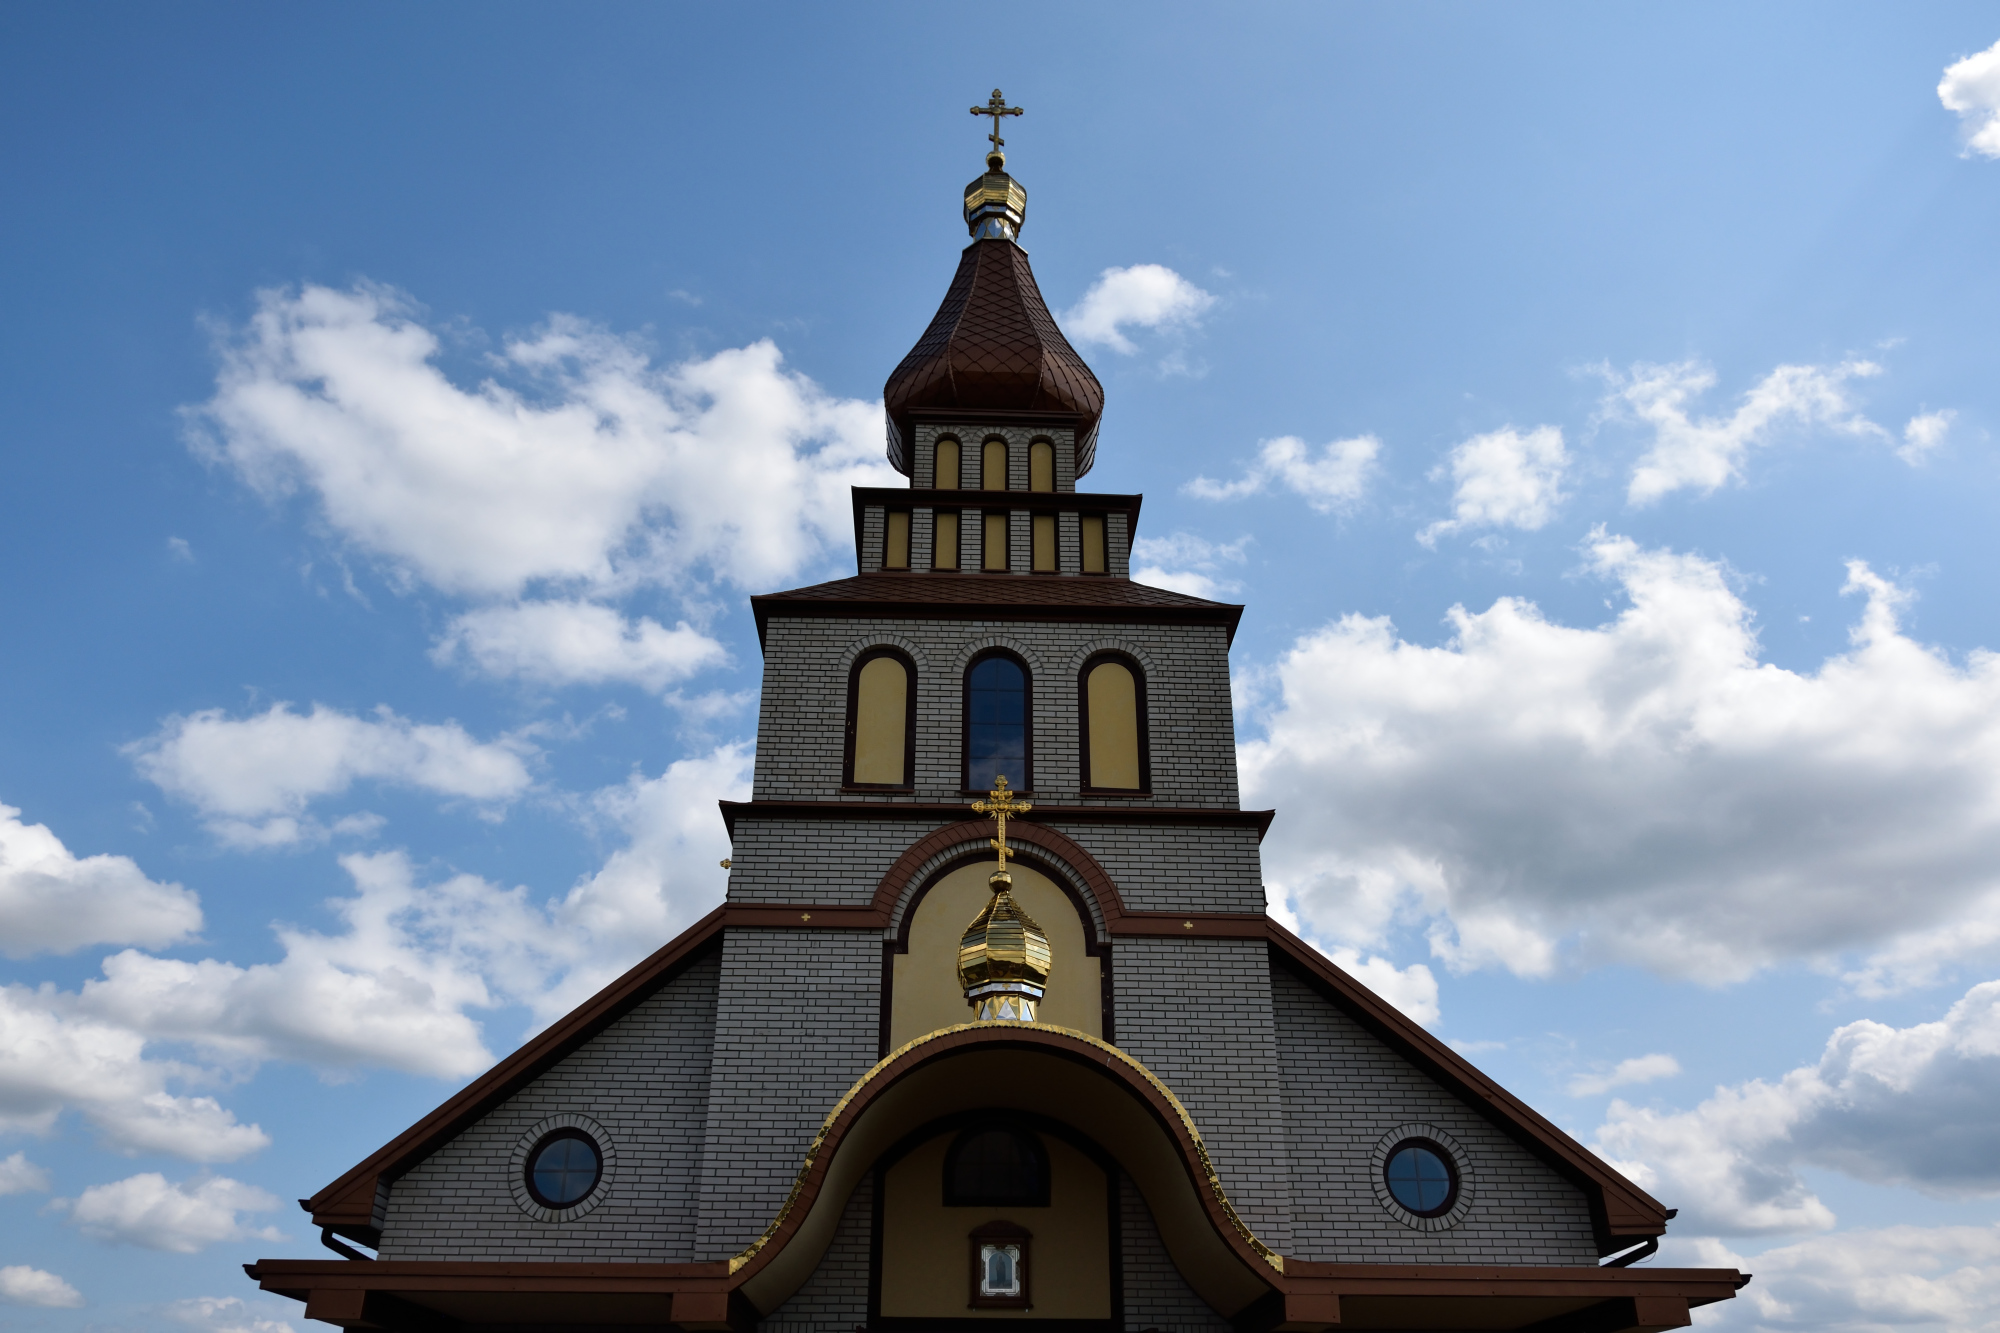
{"type": "Point", "coordinates": [1112, 707]}
{"type": "Point", "coordinates": [998, 734]}
{"type": "Point", "coordinates": [944, 475]}
{"type": "Point", "coordinates": [1041, 466]}
{"type": "Point", "coordinates": [881, 720]}
{"type": "Point", "coordinates": [993, 466]}
{"type": "Point", "coordinates": [996, 1166]}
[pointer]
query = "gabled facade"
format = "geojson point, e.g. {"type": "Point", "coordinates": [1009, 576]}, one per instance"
{"type": "Point", "coordinates": [1189, 1120]}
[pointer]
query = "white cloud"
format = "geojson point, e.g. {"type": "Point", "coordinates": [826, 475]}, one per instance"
{"type": "Point", "coordinates": [1646, 791]}
{"type": "Point", "coordinates": [1945, 1279]}
{"type": "Point", "coordinates": [1147, 296]}
{"type": "Point", "coordinates": [18, 1175]}
{"type": "Point", "coordinates": [252, 778]}
{"type": "Point", "coordinates": [1638, 1069]}
{"type": "Point", "coordinates": [150, 1211]}
{"type": "Point", "coordinates": [1333, 481]}
{"type": "Point", "coordinates": [53, 1055]}
{"type": "Point", "coordinates": [1896, 1106]}
{"type": "Point", "coordinates": [576, 643]}
{"type": "Point", "coordinates": [1707, 452]}
{"type": "Point", "coordinates": [396, 987]}
{"type": "Point", "coordinates": [1503, 479]}
{"type": "Point", "coordinates": [1412, 989]}
{"type": "Point", "coordinates": [223, 1314]}
{"type": "Point", "coordinates": [594, 470]}
{"type": "Point", "coordinates": [1923, 433]}
{"type": "Point", "coordinates": [52, 901]}
{"type": "Point", "coordinates": [1187, 563]}
{"type": "Point", "coordinates": [1971, 87]}
{"type": "Point", "coordinates": [32, 1286]}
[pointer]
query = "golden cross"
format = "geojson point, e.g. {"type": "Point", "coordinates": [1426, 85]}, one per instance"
{"type": "Point", "coordinates": [1003, 806]}
{"type": "Point", "coordinates": [997, 108]}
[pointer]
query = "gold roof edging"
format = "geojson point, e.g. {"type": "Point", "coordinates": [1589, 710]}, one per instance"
{"type": "Point", "coordinates": [1269, 1256]}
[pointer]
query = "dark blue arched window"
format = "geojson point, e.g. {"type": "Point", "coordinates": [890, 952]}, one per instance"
{"type": "Point", "coordinates": [996, 722]}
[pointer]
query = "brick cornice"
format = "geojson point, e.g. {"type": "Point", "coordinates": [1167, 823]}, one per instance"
{"type": "Point", "coordinates": [1185, 816]}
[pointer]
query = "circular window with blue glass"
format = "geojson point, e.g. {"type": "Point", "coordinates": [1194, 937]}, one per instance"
{"type": "Point", "coordinates": [1421, 1177]}
{"type": "Point", "coordinates": [563, 1168]}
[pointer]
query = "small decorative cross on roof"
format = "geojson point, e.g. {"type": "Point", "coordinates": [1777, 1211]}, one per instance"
{"type": "Point", "coordinates": [997, 108]}
{"type": "Point", "coordinates": [1003, 805]}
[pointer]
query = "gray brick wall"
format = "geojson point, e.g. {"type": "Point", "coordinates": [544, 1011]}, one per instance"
{"type": "Point", "coordinates": [1198, 1014]}
{"type": "Point", "coordinates": [835, 1298]}
{"type": "Point", "coordinates": [1172, 869]}
{"type": "Point", "coordinates": [645, 1079]}
{"type": "Point", "coordinates": [1156, 1295]}
{"type": "Point", "coordinates": [802, 726]}
{"type": "Point", "coordinates": [797, 1017]}
{"type": "Point", "coordinates": [1343, 1090]}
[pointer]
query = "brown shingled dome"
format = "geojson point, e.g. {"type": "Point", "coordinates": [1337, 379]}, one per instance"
{"type": "Point", "coordinates": [993, 346]}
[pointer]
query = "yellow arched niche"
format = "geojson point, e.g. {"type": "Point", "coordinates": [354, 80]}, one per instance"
{"type": "Point", "coordinates": [924, 990]}
{"type": "Point", "coordinates": [926, 1259]}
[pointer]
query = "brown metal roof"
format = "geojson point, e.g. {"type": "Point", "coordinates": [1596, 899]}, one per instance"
{"type": "Point", "coordinates": [995, 597]}
{"type": "Point", "coordinates": [993, 346]}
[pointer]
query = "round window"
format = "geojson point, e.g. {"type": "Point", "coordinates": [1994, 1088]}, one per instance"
{"type": "Point", "coordinates": [1421, 1177]}
{"type": "Point", "coordinates": [563, 1168]}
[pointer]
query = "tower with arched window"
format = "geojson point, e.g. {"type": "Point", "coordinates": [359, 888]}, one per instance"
{"type": "Point", "coordinates": [993, 1026]}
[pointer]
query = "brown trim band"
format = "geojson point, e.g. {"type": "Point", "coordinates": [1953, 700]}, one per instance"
{"type": "Point", "coordinates": [890, 497]}
{"type": "Point", "coordinates": [1187, 816]}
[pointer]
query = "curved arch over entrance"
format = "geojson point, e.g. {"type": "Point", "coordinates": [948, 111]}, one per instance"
{"type": "Point", "coordinates": [1067, 1076]}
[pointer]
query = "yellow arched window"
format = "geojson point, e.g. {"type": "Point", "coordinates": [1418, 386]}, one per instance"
{"type": "Point", "coordinates": [993, 466]}
{"type": "Point", "coordinates": [944, 475]}
{"type": "Point", "coordinates": [1041, 466]}
{"type": "Point", "coordinates": [881, 717]}
{"type": "Point", "coordinates": [1114, 725]}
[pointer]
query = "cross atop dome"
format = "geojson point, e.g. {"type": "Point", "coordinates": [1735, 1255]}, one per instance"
{"type": "Point", "coordinates": [996, 108]}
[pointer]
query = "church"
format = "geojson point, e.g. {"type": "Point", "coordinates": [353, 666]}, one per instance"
{"type": "Point", "coordinates": [992, 1026]}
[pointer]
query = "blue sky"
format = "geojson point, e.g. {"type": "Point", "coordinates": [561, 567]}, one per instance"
{"type": "Point", "coordinates": [1592, 404]}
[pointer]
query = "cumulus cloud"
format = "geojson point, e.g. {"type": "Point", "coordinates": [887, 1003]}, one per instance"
{"type": "Point", "coordinates": [1923, 433]}
{"type": "Point", "coordinates": [150, 1211]}
{"type": "Point", "coordinates": [1503, 479]}
{"type": "Point", "coordinates": [1646, 790]}
{"type": "Point", "coordinates": [55, 1055]}
{"type": "Point", "coordinates": [1906, 1277]}
{"type": "Point", "coordinates": [1896, 1106]}
{"type": "Point", "coordinates": [1971, 87]}
{"type": "Point", "coordinates": [1411, 989]}
{"type": "Point", "coordinates": [1638, 1069]}
{"type": "Point", "coordinates": [223, 1314]}
{"type": "Point", "coordinates": [253, 777]}
{"type": "Point", "coordinates": [1146, 296]}
{"type": "Point", "coordinates": [398, 986]}
{"type": "Point", "coordinates": [1707, 452]}
{"type": "Point", "coordinates": [23, 1285]}
{"type": "Point", "coordinates": [576, 643]}
{"type": "Point", "coordinates": [18, 1175]}
{"type": "Point", "coordinates": [1331, 482]}
{"type": "Point", "coordinates": [1187, 563]}
{"type": "Point", "coordinates": [589, 469]}
{"type": "Point", "coordinates": [53, 902]}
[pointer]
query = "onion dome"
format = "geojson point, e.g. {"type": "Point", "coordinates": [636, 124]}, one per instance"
{"type": "Point", "coordinates": [1003, 958]}
{"type": "Point", "coordinates": [993, 346]}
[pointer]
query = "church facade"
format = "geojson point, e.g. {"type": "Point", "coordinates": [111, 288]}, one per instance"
{"type": "Point", "coordinates": [992, 1025]}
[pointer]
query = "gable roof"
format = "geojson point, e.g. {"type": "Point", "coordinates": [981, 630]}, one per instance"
{"type": "Point", "coordinates": [1622, 1213]}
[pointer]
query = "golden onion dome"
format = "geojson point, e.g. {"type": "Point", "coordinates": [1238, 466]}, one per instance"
{"type": "Point", "coordinates": [1003, 958]}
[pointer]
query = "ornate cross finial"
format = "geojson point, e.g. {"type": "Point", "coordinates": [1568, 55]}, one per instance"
{"type": "Point", "coordinates": [1002, 804]}
{"type": "Point", "coordinates": [997, 108]}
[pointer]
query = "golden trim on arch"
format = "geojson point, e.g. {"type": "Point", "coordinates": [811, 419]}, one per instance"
{"type": "Point", "coordinates": [1269, 1256]}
